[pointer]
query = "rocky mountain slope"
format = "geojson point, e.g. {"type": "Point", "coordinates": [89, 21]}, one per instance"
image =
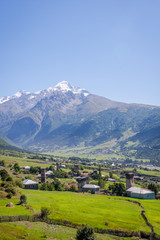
{"type": "Point", "coordinates": [65, 116]}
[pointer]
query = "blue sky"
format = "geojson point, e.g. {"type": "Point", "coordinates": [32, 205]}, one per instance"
{"type": "Point", "coordinates": [109, 47]}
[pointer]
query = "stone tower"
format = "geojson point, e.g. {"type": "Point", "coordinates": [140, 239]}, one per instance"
{"type": "Point", "coordinates": [129, 180]}
{"type": "Point", "coordinates": [43, 175]}
{"type": "Point", "coordinates": [81, 182]}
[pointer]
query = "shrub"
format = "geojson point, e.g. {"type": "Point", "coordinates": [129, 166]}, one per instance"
{"type": "Point", "coordinates": [85, 233]}
{"type": "Point", "coordinates": [19, 183]}
{"type": "Point", "coordinates": [45, 212]}
{"type": "Point", "coordinates": [23, 199]}
{"type": "Point", "coordinates": [11, 190]}
{"type": "Point", "coordinates": [9, 195]}
{"type": "Point", "coordinates": [73, 188]}
{"type": "Point", "coordinates": [16, 167]}
{"type": "Point", "coordinates": [4, 174]}
{"type": "Point", "coordinates": [9, 179]}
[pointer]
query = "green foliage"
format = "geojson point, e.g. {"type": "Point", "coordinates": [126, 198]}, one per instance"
{"type": "Point", "coordinates": [57, 185]}
{"type": "Point", "coordinates": [11, 190]}
{"type": "Point", "coordinates": [23, 199]}
{"type": "Point", "coordinates": [35, 170]}
{"type": "Point", "coordinates": [9, 195]}
{"type": "Point", "coordinates": [19, 183]}
{"type": "Point", "coordinates": [47, 186]}
{"type": "Point", "coordinates": [9, 179]}
{"type": "Point", "coordinates": [154, 187]}
{"type": "Point", "coordinates": [110, 174]}
{"type": "Point", "coordinates": [45, 212]}
{"type": "Point", "coordinates": [101, 182]}
{"type": "Point", "coordinates": [60, 174]}
{"type": "Point", "coordinates": [2, 163]}
{"type": "Point", "coordinates": [73, 188]}
{"type": "Point", "coordinates": [118, 189]}
{"type": "Point", "coordinates": [4, 174]}
{"type": "Point", "coordinates": [85, 233]}
{"type": "Point", "coordinates": [16, 167]}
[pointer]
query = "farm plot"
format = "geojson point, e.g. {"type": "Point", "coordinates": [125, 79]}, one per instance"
{"type": "Point", "coordinates": [95, 210]}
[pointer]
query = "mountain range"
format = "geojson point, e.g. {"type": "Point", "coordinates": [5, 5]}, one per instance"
{"type": "Point", "coordinates": [65, 116]}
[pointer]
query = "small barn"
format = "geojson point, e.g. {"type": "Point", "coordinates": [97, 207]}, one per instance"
{"type": "Point", "coordinates": [29, 184]}
{"type": "Point", "coordinates": [92, 188]}
{"type": "Point", "coordinates": [136, 192]}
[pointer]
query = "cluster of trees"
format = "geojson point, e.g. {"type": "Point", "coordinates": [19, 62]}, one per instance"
{"type": "Point", "coordinates": [154, 187]}
{"type": "Point", "coordinates": [118, 189]}
{"type": "Point", "coordinates": [55, 185]}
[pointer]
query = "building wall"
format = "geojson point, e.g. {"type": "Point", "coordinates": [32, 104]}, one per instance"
{"type": "Point", "coordinates": [92, 190]}
{"type": "Point", "coordinates": [31, 186]}
{"type": "Point", "coordinates": [143, 196]}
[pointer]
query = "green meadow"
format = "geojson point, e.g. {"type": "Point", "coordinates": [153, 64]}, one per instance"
{"type": "Point", "coordinates": [25, 162]}
{"type": "Point", "coordinates": [94, 210]}
{"type": "Point", "coordinates": [16, 210]}
{"type": "Point", "coordinates": [38, 230]}
{"type": "Point", "coordinates": [152, 212]}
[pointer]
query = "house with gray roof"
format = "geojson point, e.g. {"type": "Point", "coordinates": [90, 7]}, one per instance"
{"type": "Point", "coordinates": [92, 188]}
{"type": "Point", "coordinates": [137, 192]}
{"type": "Point", "coordinates": [29, 184]}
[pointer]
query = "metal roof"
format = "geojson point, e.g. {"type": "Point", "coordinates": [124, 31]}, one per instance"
{"type": "Point", "coordinates": [29, 182]}
{"type": "Point", "coordinates": [90, 186]}
{"type": "Point", "coordinates": [139, 190]}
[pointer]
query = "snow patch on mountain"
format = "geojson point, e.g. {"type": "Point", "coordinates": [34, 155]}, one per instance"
{"type": "Point", "coordinates": [64, 87]}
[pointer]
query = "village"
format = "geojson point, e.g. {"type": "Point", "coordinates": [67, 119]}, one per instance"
{"type": "Point", "coordinates": [78, 177]}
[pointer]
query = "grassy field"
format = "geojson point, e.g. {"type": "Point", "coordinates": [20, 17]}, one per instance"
{"type": "Point", "coordinates": [25, 162]}
{"type": "Point", "coordinates": [17, 210]}
{"type": "Point", "coordinates": [94, 210]}
{"type": "Point", "coordinates": [38, 230]}
{"type": "Point", "coordinates": [152, 208]}
{"type": "Point", "coordinates": [149, 172]}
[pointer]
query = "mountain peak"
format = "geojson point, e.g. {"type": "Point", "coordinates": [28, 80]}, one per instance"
{"type": "Point", "coordinates": [20, 93]}
{"type": "Point", "coordinates": [64, 86]}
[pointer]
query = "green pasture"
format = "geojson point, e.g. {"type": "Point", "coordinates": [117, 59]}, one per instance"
{"type": "Point", "coordinates": [16, 210]}
{"type": "Point", "coordinates": [38, 230]}
{"type": "Point", "coordinates": [94, 210]}
{"type": "Point", "coordinates": [152, 212]}
{"type": "Point", "coordinates": [149, 172]}
{"type": "Point", "coordinates": [24, 162]}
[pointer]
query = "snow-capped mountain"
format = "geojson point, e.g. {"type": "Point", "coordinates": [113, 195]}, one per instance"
{"type": "Point", "coordinates": [68, 116]}
{"type": "Point", "coordinates": [16, 95]}
{"type": "Point", "coordinates": [63, 87]}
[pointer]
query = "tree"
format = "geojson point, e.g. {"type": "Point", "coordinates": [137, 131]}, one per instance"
{"type": "Point", "coordinates": [23, 199]}
{"type": "Point", "coordinates": [45, 212]}
{"type": "Point", "coordinates": [85, 233]}
{"type": "Point", "coordinates": [154, 187]}
{"type": "Point", "coordinates": [101, 182]}
{"type": "Point", "coordinates": [110, 174]}
{"type": "Point", "coordinates": [4, 174]}
{"type": "Point", "coordinates": [16, 167]}
{"type": "Point", "coordinates": [73, 188]}
{"type": "Point", "coordinates": [2, 163]}
{"type": "Point", "coordinates": [118, 188]}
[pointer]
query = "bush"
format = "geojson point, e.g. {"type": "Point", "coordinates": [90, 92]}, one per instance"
{"type": "Point", "coordinates": [19, 183]}
{"type": "Point", "coordinates": [45, 212]}
{"type": "Point", "coordinates": [9, 179]}
{"type": "Point", "coordinates": [4, 174]}
{"type": "Point", "coordinates": [11, 190]}
{"type": "Point", "coordinates": [9, 195]}
{"type": "Point", "coordinates": [73, 188]}
{"type": "Point", "coordinates": [23, 199]}
{"type": "Point", "coordinates": [16, 167]}
{"type": "Point", "coordinates": [85, 233]}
